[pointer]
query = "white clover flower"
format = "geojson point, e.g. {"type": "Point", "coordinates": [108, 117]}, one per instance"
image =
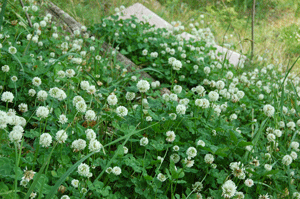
{"type": "Point", "coordinates": [268, 167]}
{"type": "Point", "coordinates": [81, 106]}
{"type": "Point", "coordinates": [145, 52]}
{"type": "Point", "coordinates": [42, 95]}
{"type": "Point", "coordinates": [184, 101]}
{"type": "Point", "coordinates": [61, 136]}
{"type": "Point", "coordinates": [45, 140]}
{"type": "Point", "coordinates": [213, 96]}
{"type": "Point", "coordinates": [4, 119]}
{"type": "Point", "coordinates": [122, 111]}
{"type": "Point", "coordinates": [144, 141]}
{"type": "Point", "coordinates": [175, 157]}
{"type": "Point", "coordinates": [23, 182]}
{"type": "Point", "coordinates": [143, 86]}
{"type": "Point", "coordinates": [84, 85]}
{"type": "Point", "coordinates": [188, 163]}
{"type": "Point", "coordinates": [42, 112]}
{"type": "Point", "coordinates": [130, 96]}
{"type": "Point", "coordinates": [12, 50]}
{"type": "Point", "coordinates": [291, 125]}
{"type": "Point", "coordinates": [77, 99]}
{"type": "Point", "coordinates": [296, 195]}
{"type": "Point", "coordinates": [36, 81]}
{"type": "Point", "coordinates": [173, 97]}
{"type": "Point", "coordinates": [95, 145]}
{"type": "Point", "coordinates": [63, 119]}
{"type": "Point", "coordinates": [90, 115]}
{"type": "Point", "coordinates": [70, 73]}
{"type": "Point", "coordinates": [91, 89]}
{"type": "Point", "coordinates": [206, 70]}
{"type": "Point", "coordinates": [260, 96]}
{"type": "Point", "coordinates": [90, 134]}
{"type": "Point", "coordinates": [7, 96]}
{"type": "Point", "coordinates": [295, 146]}
{"type": "Point", "coordinates": [294, 155]}
{"type": "Point", "coordinates": [75, 183]}
{"type": "Point", "coordinates": [125, 149]}
{"type": "Point", "coordinates": [161, 177]}
{"type": "Point", "coordinates": [61, 74]}
{"type": "Point", "coordinates": [83, 170]}
{"type": "Point", "coordinates": [191, 152]}
{"type": "Point", "coordinates": [112, 99]}
{"type": "Point", "coordinates": [228, 189]}
{"type": "Point", "coordinates": [23, 107]}
{"type": "Point", "coordinates": [180, 109]}
{"type": "Point", "coordinates": [177, 89]}
{"type": "Point", "coordinates": [176, 148]}
{"type": "Point", "coordinates": [14, 78]}
{"type": "Point", "coordinates": [278, 132]}
{"type": "Point", "coordinates": [148, 118]}
{"type": "Point", "coordinates": [78, 145]}
{"type": "Point", "coordinates": [177, 65]}
{"type": "Point", "coordinates": [249, 182]}
{"type": "Point", "coordinates": [166, 97]}
{"type": "Point", "coordinates": [65, 197]}
{"type": "Point", "coordinates": [287, 160]}
{"type": "Point", "coordinates": [170, 136]}
{"type": "Point", "coordinates": [5, 68]}
{"type": "Point", "coordinates": [209, 158]}
{"type": "Point", "coordinates": [15, 136]}
{"type": "Point", "coordinates": [201, 143]}
{"type": "Point", "coordinates": [233, 116]}
{"type": "Point", "coordinates": [116, 170]}
{"type": "Point", "coordinates": [269, 110]}
{"type": "Point", "coordinates": [271, 137]}
{"type": "Point", "coordinates": [220, 85]}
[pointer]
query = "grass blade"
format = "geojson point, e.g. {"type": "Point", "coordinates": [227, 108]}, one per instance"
{"type": "Point", "coordinates": [65, 175]}
{"type": "Point", "coordinates": [282, 85]}
{"type": "Point", "coordinates": [2, 14]}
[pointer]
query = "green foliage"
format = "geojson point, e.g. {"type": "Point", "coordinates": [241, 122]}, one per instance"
{"type": "Point", "coordinates": [74, 121]}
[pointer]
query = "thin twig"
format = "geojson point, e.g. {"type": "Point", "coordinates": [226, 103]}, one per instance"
{"type": "Point", "coordinates": [27, 16]}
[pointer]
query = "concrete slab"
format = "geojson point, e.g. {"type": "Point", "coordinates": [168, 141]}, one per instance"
{"type": "Point", "coordinates": [146, 15]}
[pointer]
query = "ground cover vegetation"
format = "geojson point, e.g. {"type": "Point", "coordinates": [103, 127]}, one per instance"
{"type": "Point", "coordinates": [76, 123]}
{"type": "Point", "coordinates": [276, 22]}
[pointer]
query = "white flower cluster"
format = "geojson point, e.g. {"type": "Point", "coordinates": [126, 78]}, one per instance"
{"type": "Point", "coordinates": [203, 103]}
{"type": "Point", "coordinates": [42, 112]}
{"type": "Point", "coordinates": [61, 136]}
{"type": "Point", "coordinates": [90, 115]}
{"type": "Point", "coordinates": [112, 99]}
{"type": "Point", "coordinates": [16, 134]}
{"type": "Point", "coordinates": [238, 170]}
{"type": "Point", "coordinates": [122, 111]}
{"type": "Point", "coordinates": [78, 145]}
{"type": "Point", "coordinates": [7, 96]}
{"type": "Point", "coordinates": [45, 140]}
{"type": "Point", "coordinates": [180, 109]}
{"type": "Point", "coordinates": [228, 189]}
{"type": "Point", "coordinates": [143, 86]}
{"type": "Point", "coordinates": [170, 136]}
{"type": "Point", "coordinates": [144, 141]}
{"type": "Point", "coordinates": [130, 96]}
{"type": "Point", "coordinates": [209, 158]}
{"type": "Point", "coordinates": [269, 110]}
{"type": "Point", "coordinates": [176, 64]}
{"type": "Point", "coordinates": [57, 93]}
{"type": "Point", "coordinates": [84, 170]}
{"type": "Point", "coordinates": [161, 177]}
